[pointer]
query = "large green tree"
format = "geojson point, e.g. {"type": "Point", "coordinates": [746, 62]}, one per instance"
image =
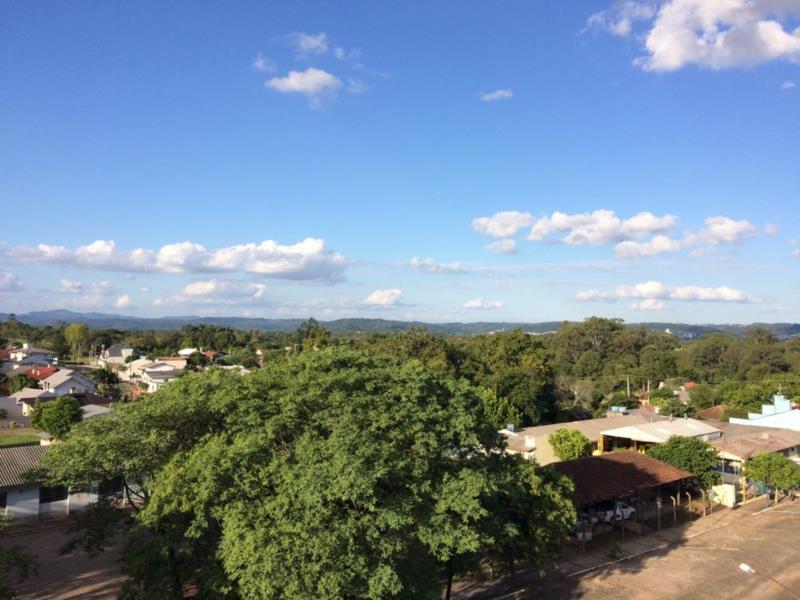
{"type": "Point", "coordinates": [76, 335]}
{"type": "Point", "coordinates": [690, 454]}
{"type": "Point", "coordinates": [775, 470]}
{"type": "Point", "coordinates": [56, 417]}
{"type": "Point", "coordinates": [569, 444]}
{"type": "Point", "coordinates": [329, 474]}
{"type": "Point", "coordinates": [22, 381]}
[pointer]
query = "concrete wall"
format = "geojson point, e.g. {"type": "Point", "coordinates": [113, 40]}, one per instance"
{"type": "Point", "coordinates": [22, 503]}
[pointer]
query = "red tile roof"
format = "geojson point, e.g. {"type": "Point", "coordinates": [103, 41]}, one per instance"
{"type": "Point", "coordinates": [616, 475]}
{"type": "Point", "coordinates": [715, 412]}
{"type": "Point", "coordinates": [39, 373]}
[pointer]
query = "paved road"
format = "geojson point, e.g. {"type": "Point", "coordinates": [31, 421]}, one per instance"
{"type": "Point", "coordinates": [698, 561]}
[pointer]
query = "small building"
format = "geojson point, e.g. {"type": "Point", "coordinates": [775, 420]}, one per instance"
{"type": "Point", "coordinates": [533, 442]}
{"type": "Point", "coordinates": [158, 375]}
{"type": "Point", "coordinates": [642, 436]}
{"type": "Point", "coordinates": [67, 381]}
{"type": "Point", "coordinates": [29, 396]}
{"type": "Point", "coordinates": [116, 354]}
{"type": "Point", "coordinates": [187, 352]}
{"type": "Point", "coordinates": [780, 414]}
{"type": "Point", "coordinates": [29, 355]}
{"type": "Point", "coordinates": [740, 443]}
{"type": "Point", "coordinates": [134, 369]}
{"type": "Point", "coordinates": [91, 404]}
{"type": "Point", "coordinates": [630, 476]}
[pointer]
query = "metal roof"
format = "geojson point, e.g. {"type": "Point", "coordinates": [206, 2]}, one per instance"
{"type": "Point", "coordinates": [17, 460]}
{"type": "Point", "coordinates": [660, 431]}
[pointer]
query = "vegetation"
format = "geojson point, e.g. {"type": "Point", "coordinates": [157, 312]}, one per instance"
{"type": "Point", "coordinates": [774, 470]}
{"type": "Point", "coordinates": [690, 454]}
{"type": "Point", "coordinates": [107, 382]}
{"type": "Point", "coordinates": [569, 444]}
{"type": "Point", "coordinates": [18, 439]}
{"type": "Point", "coordinates": [21, 381]}
{"type": "Point", "coordinates": [56, 417]}
{"type": "Point", "coordinates": [332, 473]}
{"type": "Point", "coordinates": [76, 336]}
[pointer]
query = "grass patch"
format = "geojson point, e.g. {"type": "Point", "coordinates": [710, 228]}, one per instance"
{"type": "Point", "coordinates": [18, 439]}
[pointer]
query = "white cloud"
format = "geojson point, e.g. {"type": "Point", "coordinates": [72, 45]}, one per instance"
{"type": "Point", "coordinates": [9, 282]}
{"type": "Point", "coordinates": [711, 33]}
{"type": "Point", "coordinates": [655, 290]}
{"type": "Point", "coordinates": [501, 94]}
{"type": "Point", "coordinates": [309, 43]}
{"type": "Point", "coordinates": [649, 304]}
{"type": "Point", "coordinates": [796, 253]}
{"type": "Point", "coordinates": [595, 296]}
{"type": "Point", "coordinates": [428, 264]}
{"type": "Point", "coordinates": [718, 230]}
{"type": "Point", "coordinates": [503, 224]}
{"type": "Point", "coordinates": [599, 227]}
{"type": "Point", "coordinates": [788, 85]}
{"type": "Point", "coordinates": [481, 304]}
{"type": "Point", "coordinates": [771, 229]}
{"type": "Point", "coordinates": [262, 64]}
{"type": "Point", "coordinates": [621, 18]}
{"type": "Point", "coordinates": [122, 301]}
{"type": "Point", "coordinates": [70, 287]}
{"type": "Point", "coordinates": [385, 297]}
{"type": "Point", "coordinates": [216, 291]}
{"type": "Point", "coordinates": [308, 259]}
{"type": "Point", "coordinates": [504, 246]}
{"type": "Point", "coordinates": [312, 83]}
{"type": "Point", "coordinates": [144, 290]}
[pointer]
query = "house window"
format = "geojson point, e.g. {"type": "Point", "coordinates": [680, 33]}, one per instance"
{"type": "Point", "coordinates": [3, 499]}
{"type": "Point", "coordinates": [52, 494]}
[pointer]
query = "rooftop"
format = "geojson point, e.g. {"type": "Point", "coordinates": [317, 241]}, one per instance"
{"type": "Point", "coordinates": [616, 475]}
{"type": "Point", "coordinates": [16, 461]}
{"type": "Point", "coordinates": [658, 432]}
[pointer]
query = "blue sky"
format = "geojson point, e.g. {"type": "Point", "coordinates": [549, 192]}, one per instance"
{"type": "Point", "coordinates": [485, 161]}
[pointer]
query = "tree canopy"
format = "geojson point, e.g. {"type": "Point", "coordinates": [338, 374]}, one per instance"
{"type": "Point", "coordinates": [569, 444]}
{"type": "Point", "coordinates": [775, 470]}
{"type": "Point", "coordinates": [329, 474]}
{"type": "Point", "coordinates": [56, 417]}
{"type": "Point", "coordinates": [690, 454]}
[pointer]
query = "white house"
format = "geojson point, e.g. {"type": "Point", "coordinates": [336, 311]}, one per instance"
{"type": "Point", "coordinates": [116, 354]}
{"type": "Point", "coordinates": [187, 352]}
{"type": "Point", "coordinates": [67, 381]}
{"type": "Point", "coordinates": [780, 414]}
{"type": "Point", "coordinates": [158, 375]}
{"type": "Point", "coordinates": [20, 499]}
{"type": "Point", "coordinates": [27, 355]}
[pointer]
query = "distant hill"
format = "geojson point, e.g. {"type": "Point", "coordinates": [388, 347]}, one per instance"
{"type": "Point", "coordinates": [102, 320]}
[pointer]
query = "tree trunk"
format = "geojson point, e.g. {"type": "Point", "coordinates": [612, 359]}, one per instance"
{"type": "Point", "coordinates": [449, 580]}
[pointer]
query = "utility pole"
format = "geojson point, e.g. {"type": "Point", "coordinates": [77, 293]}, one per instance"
{"type": "Point", "coordinates": [628, 378]}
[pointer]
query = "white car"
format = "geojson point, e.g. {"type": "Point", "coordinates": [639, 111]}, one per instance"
{"type": "Point", "coordinates": [613, 511]}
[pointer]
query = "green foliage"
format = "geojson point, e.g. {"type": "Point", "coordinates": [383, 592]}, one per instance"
{"type": "Point", "coordinates": [196, 361]}
{"type": "Point", "coordinates": [569, 444]}
{"type": "Point", "coordinates": [56, 417]}
{"type": "Point", "coordinates": [775, 470]}
{"type": "Point", "coordinates": [690, 454]}
{"type": "Point", "coordinates": [76, 336]}
{"type": "Point", "coordinates": [327, 474]}
{"type": "Point", "coordinates": [108, 383]}
{"type": "Point", "coordinates": [22, 381]}
{"type": "Point", "coordinates": [311, 335]}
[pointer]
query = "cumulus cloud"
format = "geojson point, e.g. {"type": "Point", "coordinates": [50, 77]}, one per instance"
{"type": "Point", "coordinates": [384, 297]}
{"type": "Point", "coordinates": [649, 304]}
{"type": "Point", "coordinates": [504, 246]}
{"type": "Point", "coordinates": [501, 94]}
{"type": "Point", "coordinates": [503, 224]}
{"type": "Point", "coordinates": [306, 44]}
{"type": "Point", "coordinates": [122, 301]}
{"type": "Point", "coordinates": [428, 264]}
{"type": "Point", "coordinates": [313, 83]}
{"type": "Point", "coordinates": [308, 259]}
{"type": "Point", "coordinates": [788, 85]}
{"type": "Point", "coordinates": [599, 227]}
{"type": "Point", "coordinates": [481, 304]}
{"type": "Point", "coordinates": [70, 287]}
{"type": "Point", "coordinates": [652, 293]}
{"type": "Point", "coordinates": [718, 230]}
{"type": "Point", "coordinates": [216, 291]}
{"type": "Point", "coordinates": [9, 282]}
{"type": "Point", "coordinates": [714, 34]}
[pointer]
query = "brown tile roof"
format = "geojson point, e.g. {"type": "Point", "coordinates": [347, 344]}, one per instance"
{"type": "Point", "coordinates": [39, 373]}
{"type": "Point", "coordinates": [616, 475]}
{"type": "Point", "coordinates": [15, 461]}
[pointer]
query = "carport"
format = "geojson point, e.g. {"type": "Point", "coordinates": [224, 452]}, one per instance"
{"type": "Point", "coordinates": [626, 475]}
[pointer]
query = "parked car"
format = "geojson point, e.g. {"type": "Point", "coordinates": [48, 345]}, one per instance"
{"type": "Point", "coordinates": [613, 511]}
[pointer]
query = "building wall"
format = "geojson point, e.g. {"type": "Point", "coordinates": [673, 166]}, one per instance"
{"type": "Point", "coordinates": [22, 503]}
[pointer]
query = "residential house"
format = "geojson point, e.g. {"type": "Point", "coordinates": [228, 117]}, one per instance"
{"type": "Point", "coordinates": [92, 405]}
{"type": "Point", "coordinates": [67, 381]}
{"type": "Point", "coordinates": [116, 354]}
{"type": "Point", "coordinates": [158, 375]}
{"type": "Point", "coordinates": [21, 499]}
{"type": "Point", "coordinates": [28, 397]}
{"type": "Point", "coordinates": [28, 355]}
{"type": "Point", "coordinates": [134, 369]}
{"type": "Point", "coordinates": [187, 352]}
{"type": "Point", "coordinates": [642, 436]}
{"type": "Point", "coordinates": [533, 442]}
